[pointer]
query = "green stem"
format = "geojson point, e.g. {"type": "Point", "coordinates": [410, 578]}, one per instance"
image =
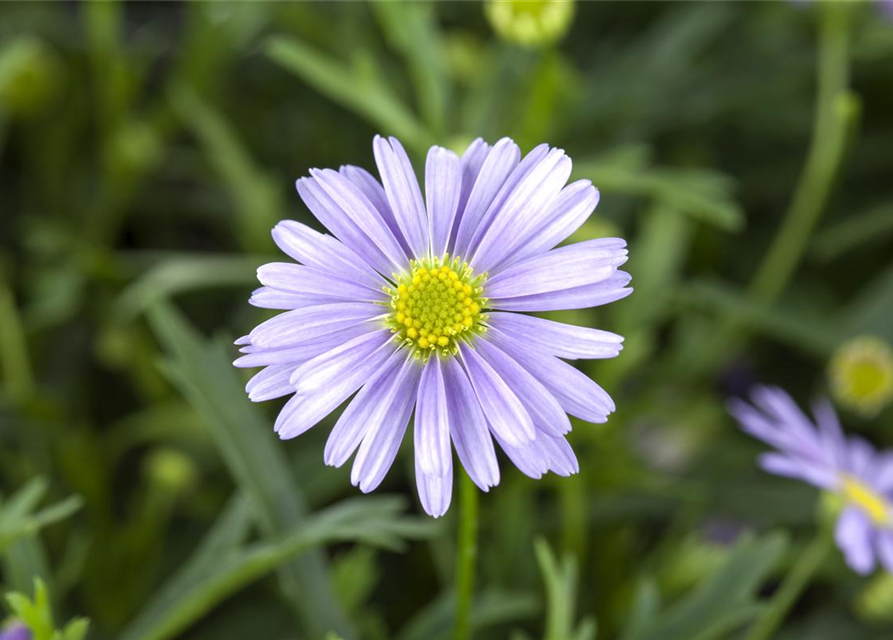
{"type": "Point", "coordinates": [466, 555]}
{"type": "Point", "coordinates": [15, 365]}
{"type": "Point", "coordinates": [793, 585]}
{"type": "Point", "coordinates": [836, 109]}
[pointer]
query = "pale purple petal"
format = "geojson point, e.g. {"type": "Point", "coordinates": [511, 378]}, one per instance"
{"type": "Point", "coordinates": [559, 339]}
{"type": "Point", "coordinates": [273, 382]}
{"type": "Point", "coordinates": [530, 458]}
{"type": "Point", "coordinates": [404, 195]}
{"type": "Point", "coordinates": [435, 492]}
{"type": "Point", "coordinates": [577, 394]}
{"type": "Point", "coordinates": [577, 265]}
{"type": "Point", "coordinates": [270, 298]}
{"type": "Point", "coordinates": [472, 161]}
{"type": "Point", "coordinates": [352, 203]}
{"type": "Point", "coordinates": [523, 211]}
{"type": "Point", "coordinates": [562, 460]}
{"type": "Point", "coordinates": [382, 440]}
{"type": "Point", "coordinates": [884, 543]}
{"type": "Point", "coordinates": [782, 464]}
{"type": "Point", "coordinates": [567, 213]}
{"type": "Point", "coordinates": [264, 356]}
{"type": "Point", "coordinates": [432, 421]}
{"type": "Point", "coordinates": [853, 537]}
{"type": "Point", "coordinates": [373, 190]}
{"type": "Point", "coordinates": [833, 442]}
{"type": "Point", "coordinates": [324, 252]}
{"type": "Point", "coordinates": [884, 478]}
{"type": "Point", "coordinates": [296, 278]}
{"type": "Point", "coordinates": [527, 165]}
{"type": "Point", "coordinates": [594, 295]}
{"type": "Point", "coordinates": [311, 323]}
{"type": "Point", "coordinates": [443, 184]}
{"type": "Point", "coordinates": [16, 632]}
{"type": "Point", "coordinates": [323, 383]}
{"type": "Point", "coordinates": [545, 411]}
{"type": "Point", "coordinates": [501, 161]}
{"type": "Point", "coordinates": [861, 457]}
{"type": "Point", "coordinates": [766, 428]}
{"type": "Point", "coordinates": [506, 414]}
{"type": "Point", "coordinates": [373, 404]}
{"type": "Point", "coordinates": [468, 427]}
{"type": "Point", "coordinates": [345, 229]}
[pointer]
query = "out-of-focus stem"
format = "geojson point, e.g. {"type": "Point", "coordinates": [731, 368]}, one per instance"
{"type": "Point", "coordinates": [466, 555]}
{"type": "Point", "coordinates": [793, 585]}
{"type": "Point", "coordinates": [836, 110]}
{"type": "Point", "coordinates": [14, 361]}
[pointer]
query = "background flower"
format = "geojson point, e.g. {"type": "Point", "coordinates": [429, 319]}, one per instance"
{"type": "Point", "coordinates": [850, 468]}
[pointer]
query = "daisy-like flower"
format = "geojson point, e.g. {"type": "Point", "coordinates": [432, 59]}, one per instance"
{"type": "Point", "coordinates": [847, 467]}
{"type": "Point", "coordinates": [415, 305]}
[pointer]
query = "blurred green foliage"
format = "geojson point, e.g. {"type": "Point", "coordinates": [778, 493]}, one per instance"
{"type": "Point", "coordinates": [145, 151]}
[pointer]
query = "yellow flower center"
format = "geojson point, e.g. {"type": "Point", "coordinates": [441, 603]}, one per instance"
{"type": "Point", "coordinates": [436, 304]}
{"type": "Point", "coordinates": [873, 505]}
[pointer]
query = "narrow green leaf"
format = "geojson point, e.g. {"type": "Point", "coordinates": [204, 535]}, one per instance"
{"type": "Point", "coordinates": [871, 309]}
{"type": "Point", "coordinates": [358, 89]}
{"type": "Point", "coordinates": [490, 608]}
{"type": "Point", "coordinates": [368, 520]}
{"type": "Point", "coordinates": [411, 29]}
{"type": "Point", "coordinates": [703, 194]}
{"type": "Point", "coordinates": [809, 336]}
{"type": "Point", "coordinates": [204, 374]}
{"type": "Point", "coordinates": [724, 601]}
{"type": "Point", "coordinates": [181, 273]}
{"type": "Point", "coordinates": [257, 198]}
{"type": "Point", "coordinates": [852, 232]}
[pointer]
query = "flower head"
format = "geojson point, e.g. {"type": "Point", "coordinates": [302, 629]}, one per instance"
{"type": "Point", "coordinates": [847, 467]}
{"type": "Point", "coordinates": [415, 306]}
{"type": "Point", "coordinates": [530, 23]}
{"type": "Point", "coordinates": [861, 373]}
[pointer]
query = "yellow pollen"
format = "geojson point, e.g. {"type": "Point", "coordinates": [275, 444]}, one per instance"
{"type": "Point", "coordinates": [873, 505]}
{"type": "Point", "coordinates": [436, 304]}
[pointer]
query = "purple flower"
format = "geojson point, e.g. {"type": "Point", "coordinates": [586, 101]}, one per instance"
{"type": "Point", "coordinates": [15, 632]}
{"type": "Point", "coordinates": [848, 467]}
{"type": "Point", "coordinates": [414, 306]}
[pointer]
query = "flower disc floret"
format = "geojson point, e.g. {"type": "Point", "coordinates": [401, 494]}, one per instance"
{"type": "Point", "coordinates": [436, 304]}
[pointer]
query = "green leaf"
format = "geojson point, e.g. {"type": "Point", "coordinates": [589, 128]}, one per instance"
{"type": "Point", "coordinates": [872, 227]}
{"type": "Point", "coordinates": [368, 520]}
{"type": "Point", "coordinates": [359, 89]}
{"type": "Point", "coordinates": [204, 374]}
{"type": "Point", "coordinates": [703, 194]}
{"type": "Point", "coordinates": [645, 607]}
{"type": "Point", "coordinates": [181, 273]}
{"type": "Point", "coordinates": [785, 326]}
{"type": "Point", "coordinates": [490, 608]}
{"type": "Point", "coordinates": [871, 309]}
{"type": "Point", "coordinates": [722, 603]}
{"type": "Point", "coordinates": [411, 28]}
{"type": "Point", "coordinates": [18, 518]}
{"type": "Point", "coordinates": [561, 595]}
{"type": "Point", "coordinates": [37, 615]}
{"type": "Point", "coordinates": [257, 197]}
